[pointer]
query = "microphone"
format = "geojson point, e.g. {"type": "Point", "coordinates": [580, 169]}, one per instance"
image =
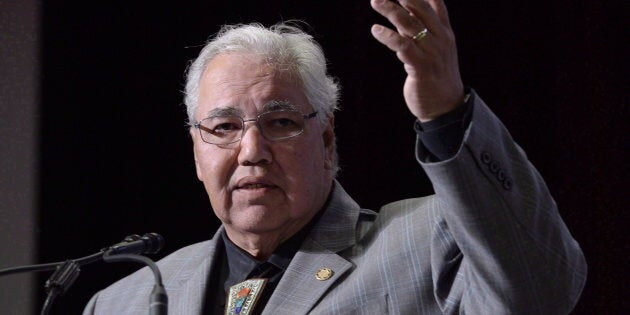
{"type": "Point", "coordinates": [66, 272]}
{"type": "Point", "coordinates": [128, 250]}
{"type": "Point", "coordinates": [149, 243]}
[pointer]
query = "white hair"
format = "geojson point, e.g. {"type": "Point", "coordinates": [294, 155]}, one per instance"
{"type": "Point", "coordinates": [285, 47]}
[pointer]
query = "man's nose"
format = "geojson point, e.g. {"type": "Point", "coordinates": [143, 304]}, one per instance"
{"type": "Point", "coordinates": [254, 148]}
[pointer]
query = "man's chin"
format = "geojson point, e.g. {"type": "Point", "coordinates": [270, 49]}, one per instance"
{"type": "Point", "coordinates": [256, 216]}
{"type": "Point", "coordinates": [258, 227]}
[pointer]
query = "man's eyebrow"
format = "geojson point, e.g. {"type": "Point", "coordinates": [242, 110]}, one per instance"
{"type": "Point", "coordinates": [278, 105]}
{"type": "Point", "coordinates": [224, 111]}
{"type": "Point", "coordinates": [232, 111]}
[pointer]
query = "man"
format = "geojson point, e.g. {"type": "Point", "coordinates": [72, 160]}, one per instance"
{"type": "Point", "coordinates": [293, 242]}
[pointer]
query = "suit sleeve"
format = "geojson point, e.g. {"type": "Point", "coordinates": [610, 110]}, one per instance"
{"type": "Point", "coordinates": [499, 245]}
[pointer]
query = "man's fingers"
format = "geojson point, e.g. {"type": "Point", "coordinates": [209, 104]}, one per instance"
{"type": "Point", "coordinates": [429, 12]}
{"type": "Point", "coordinates": [440, 9]}
{"type": "Point", "coordinates": [406, 24]}
{"type": "Point", "coordinates": [404, 47]}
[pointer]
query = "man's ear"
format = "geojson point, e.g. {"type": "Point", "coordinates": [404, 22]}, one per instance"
{"type": "Point", "coordinates": [193, 136]}
{"type": "Point", "coordinates": [329, 143]}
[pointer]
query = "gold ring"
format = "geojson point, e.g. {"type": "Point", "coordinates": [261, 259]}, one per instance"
{"type": "Point", "coordinates": [422, 34]}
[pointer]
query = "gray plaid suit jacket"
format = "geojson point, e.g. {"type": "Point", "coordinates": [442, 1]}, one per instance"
{"type": "Point", "coordinates": [490, 241]}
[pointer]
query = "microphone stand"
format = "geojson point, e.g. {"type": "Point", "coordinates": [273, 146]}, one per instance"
{"type": "Point", "coordinates": [51, 266]}
{"type": "Point", "coordinates": [59, 282]}
{"type": "Point", "coordinates": [66, 272]}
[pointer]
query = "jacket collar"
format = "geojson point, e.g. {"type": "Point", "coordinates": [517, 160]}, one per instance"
{"type": "Point", "coordinates": [187, 287]}
{"type": "Point", "coordinates": [335, 230]}
{"type": "Point", "coordinates": [300, 290]}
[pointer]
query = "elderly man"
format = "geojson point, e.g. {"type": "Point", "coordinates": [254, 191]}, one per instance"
{"type": "Point", "coordinates": [260, 104]}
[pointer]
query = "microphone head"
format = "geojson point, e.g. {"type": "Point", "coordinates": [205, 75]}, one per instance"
{"type": "Point", "coordinates": [154, 243]}
{"type": "Point", "coordinates": [149, 243]}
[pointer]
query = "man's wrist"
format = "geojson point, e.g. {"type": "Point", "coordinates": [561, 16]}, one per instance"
{"type": "Point", "coordinates": [443, 136]}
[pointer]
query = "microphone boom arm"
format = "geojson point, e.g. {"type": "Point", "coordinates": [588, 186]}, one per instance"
{"type": "Point", "coordinates": [158, 302]}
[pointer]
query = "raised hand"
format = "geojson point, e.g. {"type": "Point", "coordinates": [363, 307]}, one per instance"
{"type": "Point", "coordinates": [425, 43]}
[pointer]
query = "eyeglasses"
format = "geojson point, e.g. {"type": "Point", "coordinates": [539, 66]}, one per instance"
{"type": "Point", "coordinates": [274, 125]}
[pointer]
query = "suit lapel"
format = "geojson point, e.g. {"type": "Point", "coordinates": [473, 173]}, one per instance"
{"type": "Point", "coordinates": [187, 289]}
{"type": "Point", "coordinates": [299, 290]}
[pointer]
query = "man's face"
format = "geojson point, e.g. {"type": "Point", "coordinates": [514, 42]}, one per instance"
{"type": "Point", "coordinates": [257, 186]}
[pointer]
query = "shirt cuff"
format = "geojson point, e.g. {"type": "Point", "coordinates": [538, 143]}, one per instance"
{"type": "Point", "coordinates": [443, 136]}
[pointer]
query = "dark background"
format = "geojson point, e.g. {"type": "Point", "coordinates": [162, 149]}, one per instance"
{"type": "Point", "coordinates": [116, 158]}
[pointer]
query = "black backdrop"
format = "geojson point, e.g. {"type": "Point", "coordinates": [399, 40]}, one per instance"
{"type": "Point", "coordinates": [116, 157]}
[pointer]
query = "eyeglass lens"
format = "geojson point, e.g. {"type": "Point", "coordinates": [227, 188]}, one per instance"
{"type": "Point", "coordinates": [274, 125]}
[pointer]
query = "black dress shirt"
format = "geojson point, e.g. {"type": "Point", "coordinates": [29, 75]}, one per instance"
{"type": "Point", "coordinates": [237, 266]}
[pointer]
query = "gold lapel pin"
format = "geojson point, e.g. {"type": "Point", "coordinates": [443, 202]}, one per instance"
{"type": "Point", "coordinates": [323, 274]}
